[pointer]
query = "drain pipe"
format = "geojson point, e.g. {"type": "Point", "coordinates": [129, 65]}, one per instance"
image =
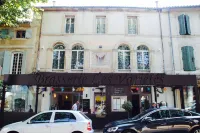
{"type": "Point", "coordinates": [171, 42]}
{"type": "Point", "coordinates": [161, 36]}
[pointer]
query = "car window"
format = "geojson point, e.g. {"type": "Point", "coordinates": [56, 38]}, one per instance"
{"type": "Point", "coordinates": [194, 113]}
{"type": "Point", "coordinates": [161, 114]}
{"type": "Point", "coordinates": [176, 113]}
{"type": "Point", "coordinates": [41, 118]}
{"type": "Point", "coordinates": [64, 117]}
{"type": "Point", "coordinates": [187, 113]}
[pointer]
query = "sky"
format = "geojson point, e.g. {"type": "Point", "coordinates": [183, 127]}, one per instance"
{"type": "Point", "coordinates": [135, 3]}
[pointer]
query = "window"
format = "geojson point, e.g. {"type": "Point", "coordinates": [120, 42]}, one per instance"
{"type": "Point", "coordinates": [70, 24]}
{"type": "Point", "coordinates": [117, 102]}
{"type": "Point", "coordinates": [184, 25]}
{"type": "Point", "coordinates": [143, 58]}
{"type": "Point", "coordinates": [17, 63]}
{"type": "Point", "coordinates": [187, 113]}
{"type": "Point", "coordinates": [77, 57]}
{"type": "Point", "coordinates": [21, 34]}
{"type": "Point", "coordinates": [132, 25]}
{"type": "Point", "coordinates": [101, 24]}
{"type": "Point", "coordinates": [4, 33]}
{"type": "Point", "coordinates": [176, 113]}
{"type": "Point", "coordinates": [58, 56]}
{"type": "Point", "coordinates": [188, 58]}
{"type": "Point", "coordinates": [64, 117]}
{"type": "Point", "coordinates": [160, 114]}
{"type": "Point", "coordinates": [123, 57]}
{"type": "Point", "coordinates": [42, 118]}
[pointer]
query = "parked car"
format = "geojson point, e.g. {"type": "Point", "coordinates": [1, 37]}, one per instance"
{"type": "Point", "coordinates": [158, 121]}
{"type": "Point", "coordinates": [192, 107]}
{"type": "Point", "coordinates": [55, 121]}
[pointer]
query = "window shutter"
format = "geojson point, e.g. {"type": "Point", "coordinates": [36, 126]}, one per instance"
{"type": "Point", "coordinates": [187, 19]}
{"type": "Point", "coordinates": [24, 63]}
{"type": "Point", "coordinates": [191, 58]}
{"type": "Point", "coordinates": [1, 61]}
{"type": "Point", "coordinates": [11, 33]}
{"type": "Point", "coordinates": [4, 33]}
{"type": "Point", "coordinates": [28, 33]}
{"type": "Point", "coordinates": [7, 62]}
{"type": "Point", "coordinates": [182, 28]}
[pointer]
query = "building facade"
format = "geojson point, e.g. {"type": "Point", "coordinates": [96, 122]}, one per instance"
{"type": "Point", "coordinates": [18, 55]}
{"type": "Point", "coordinates": [118, 40]}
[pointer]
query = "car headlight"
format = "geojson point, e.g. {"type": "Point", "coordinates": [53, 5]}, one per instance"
{"type": "Point", "coordinates": [112, 129]}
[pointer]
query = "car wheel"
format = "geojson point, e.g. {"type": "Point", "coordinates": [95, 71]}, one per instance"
{"type": "Point", "coordinates": [128, 131]}
{"type": "Point", "coordinates": [196, 130]}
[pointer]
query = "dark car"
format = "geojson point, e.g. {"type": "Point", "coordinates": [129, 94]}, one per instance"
{"type": "Point", "coordinates": [158, 121]}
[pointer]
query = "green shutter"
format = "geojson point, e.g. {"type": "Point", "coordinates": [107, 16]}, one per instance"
{"type": "Point", "coordinates": [7, 62]}
{"type": "Point", "coordinates": [1, 60]}
{"type": "Point", "coordinates": [191, 58]}
{"type": "Point", "coordinates": [182, 28]}
{"type": "Point", "coordinates": [4, 33]}
{"type": "Point", "coordinates": [187, 20]}
{"type": "Point", "coordinates": [24, 62]}
{"type": "Point", "coordinates": [11, 33]}
{"type": "Point", "coordinates": [188, 58]}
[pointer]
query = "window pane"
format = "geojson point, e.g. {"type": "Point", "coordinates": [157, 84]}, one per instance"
{"type": "Point", "coordinates": [120, 60]}
{"type": "Point", "coordinates": [55, 60]}
{"type": "Point", "coordinates": [42, 118]}
{"type": "Point", "coordinates": [74, 58]}
{"type": "Point", "coordinates": [155, 115]}
{"type": "Point", "coordinates": [62, 58]}
{"type": "Point", "coordinates": [142, 47]}
{"type": "Point", "coordinates": [146, 60]}
{"type": "Point", "coordinates": [139, 60]}
{"type": "Point", "coordinates": [59, 46]}
{"type": "Point", "coordinates": [132, 25]}
{"type": "Point", "coordinates": [165, 113]}
{"type": "Point", "coordinates": [64, 117]}
{"type": "Point", "coordinates": [98, 25]}
{"type": "Point", "coordinates": [80, 59]}
{"type": "Point", "coordinates": [176, 113]}
{"type": "Point", "coordinates": [127, 60]}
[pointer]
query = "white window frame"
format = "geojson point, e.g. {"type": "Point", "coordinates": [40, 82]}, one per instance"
{"type": "Point", "coordinates": [123, 51]}
{"type": "Point", "coordinates": [118, 97]}
{"type": "Point", "coordinates": [69, 17]}
{"type": "Point", "coordinates": [101, 18]}
{"type": "Point", "coordinates": [59, 50]}
{"type": "Point", "coordinates": [17, 62]}
{"type": "Point", "coordinates": [132, 17]}
{"type": "Point", "coordinates": [77, 51]}
{"type": "Point", "coordinates": [143, 51]}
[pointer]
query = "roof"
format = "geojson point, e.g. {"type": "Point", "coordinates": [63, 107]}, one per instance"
{"type": "Point", "coordinates": [128, 7]}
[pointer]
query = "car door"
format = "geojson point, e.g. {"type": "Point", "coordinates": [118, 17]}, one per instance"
{"type": "Point", "coordinates": [64, 122]}
{"type": "Point", "coordinates": [39, 124]}
{"type": "Point", "coordinates": [156, 122]}
{"type": "Point", "coordinates": [179, 121]}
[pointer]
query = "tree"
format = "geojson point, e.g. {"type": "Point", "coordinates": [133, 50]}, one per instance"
{"type": "Point", "coordinates": [127, 106]}
{"type": "Point", "coordinates": [15, 11]}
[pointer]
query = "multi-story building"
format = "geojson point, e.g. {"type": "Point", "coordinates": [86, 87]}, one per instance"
{"type": "Point", "coordinates": [18, 55]}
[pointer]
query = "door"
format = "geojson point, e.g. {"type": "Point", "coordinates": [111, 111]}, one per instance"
{"type": "Point", "coordinates": [156, 122]}
{"type": "Point", "coordinates": [179, 121]}
{"type": "Point", "coordinates": [39, 124]}
{"type": "Point", "coordinates": [145, 102]}
{"type": "Point", "coordinates": [136, 104]}
{"type": "Point", "coordinates": [64, 122]}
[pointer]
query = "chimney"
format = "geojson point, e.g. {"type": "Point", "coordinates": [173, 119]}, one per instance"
{"type": "Point", "coordinates": [54, 3]}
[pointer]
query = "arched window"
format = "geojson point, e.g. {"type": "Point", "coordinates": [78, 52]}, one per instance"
{"type": "Point", "coordinates": [77, 57]}
{"type": "Point", "coordinates": [123, 57]}
{"type": "Point", "coordinates": [58, 56]}
{"type": "Point", "coordinates": [142, 57]}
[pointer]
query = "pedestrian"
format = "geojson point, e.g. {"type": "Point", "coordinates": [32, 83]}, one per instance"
{"type": "Point", "coordinates": [75, 106]}
{"type": "Point", "coordinates": [30, 109]}
{"type": "Point", "coordinates": [163, 105]}
{"type": "Point", "coordinates": [153, 106]}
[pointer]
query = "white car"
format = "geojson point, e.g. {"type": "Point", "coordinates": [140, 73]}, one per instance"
{"type": "Point", "coordinates": [53, 121]}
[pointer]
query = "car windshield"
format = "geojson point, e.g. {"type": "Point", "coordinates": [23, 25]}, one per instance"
{"type": "Point", "coordinates": [142, 114]}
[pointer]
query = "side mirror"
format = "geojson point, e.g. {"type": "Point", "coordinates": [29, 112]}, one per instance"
{"type": "Point", "coordinates": [148, 119]}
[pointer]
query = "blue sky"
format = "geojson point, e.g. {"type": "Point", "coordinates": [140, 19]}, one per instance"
{"type": "Point", "coordinates": [137, 3]}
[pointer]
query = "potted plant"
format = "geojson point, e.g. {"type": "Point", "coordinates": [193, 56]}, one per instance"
{"type": "Point", "coordinates": [127, 106]}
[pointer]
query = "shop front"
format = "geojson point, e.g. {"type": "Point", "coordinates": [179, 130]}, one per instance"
{"type": "Point", "coordinates": [109, 91]}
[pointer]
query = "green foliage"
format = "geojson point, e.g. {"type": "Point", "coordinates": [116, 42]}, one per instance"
{"type": "Point", "coordinates": [127, 106]}
{"type": "Point", "coordinates": [15, 11]}
{"type": "Point", "coordinates": [19, 104]}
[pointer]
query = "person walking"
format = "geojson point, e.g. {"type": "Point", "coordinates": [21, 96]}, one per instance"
{"type": "Point", "coordinates": [30, 109]}
{"type": "Point", "coordinates": [75, 106]}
